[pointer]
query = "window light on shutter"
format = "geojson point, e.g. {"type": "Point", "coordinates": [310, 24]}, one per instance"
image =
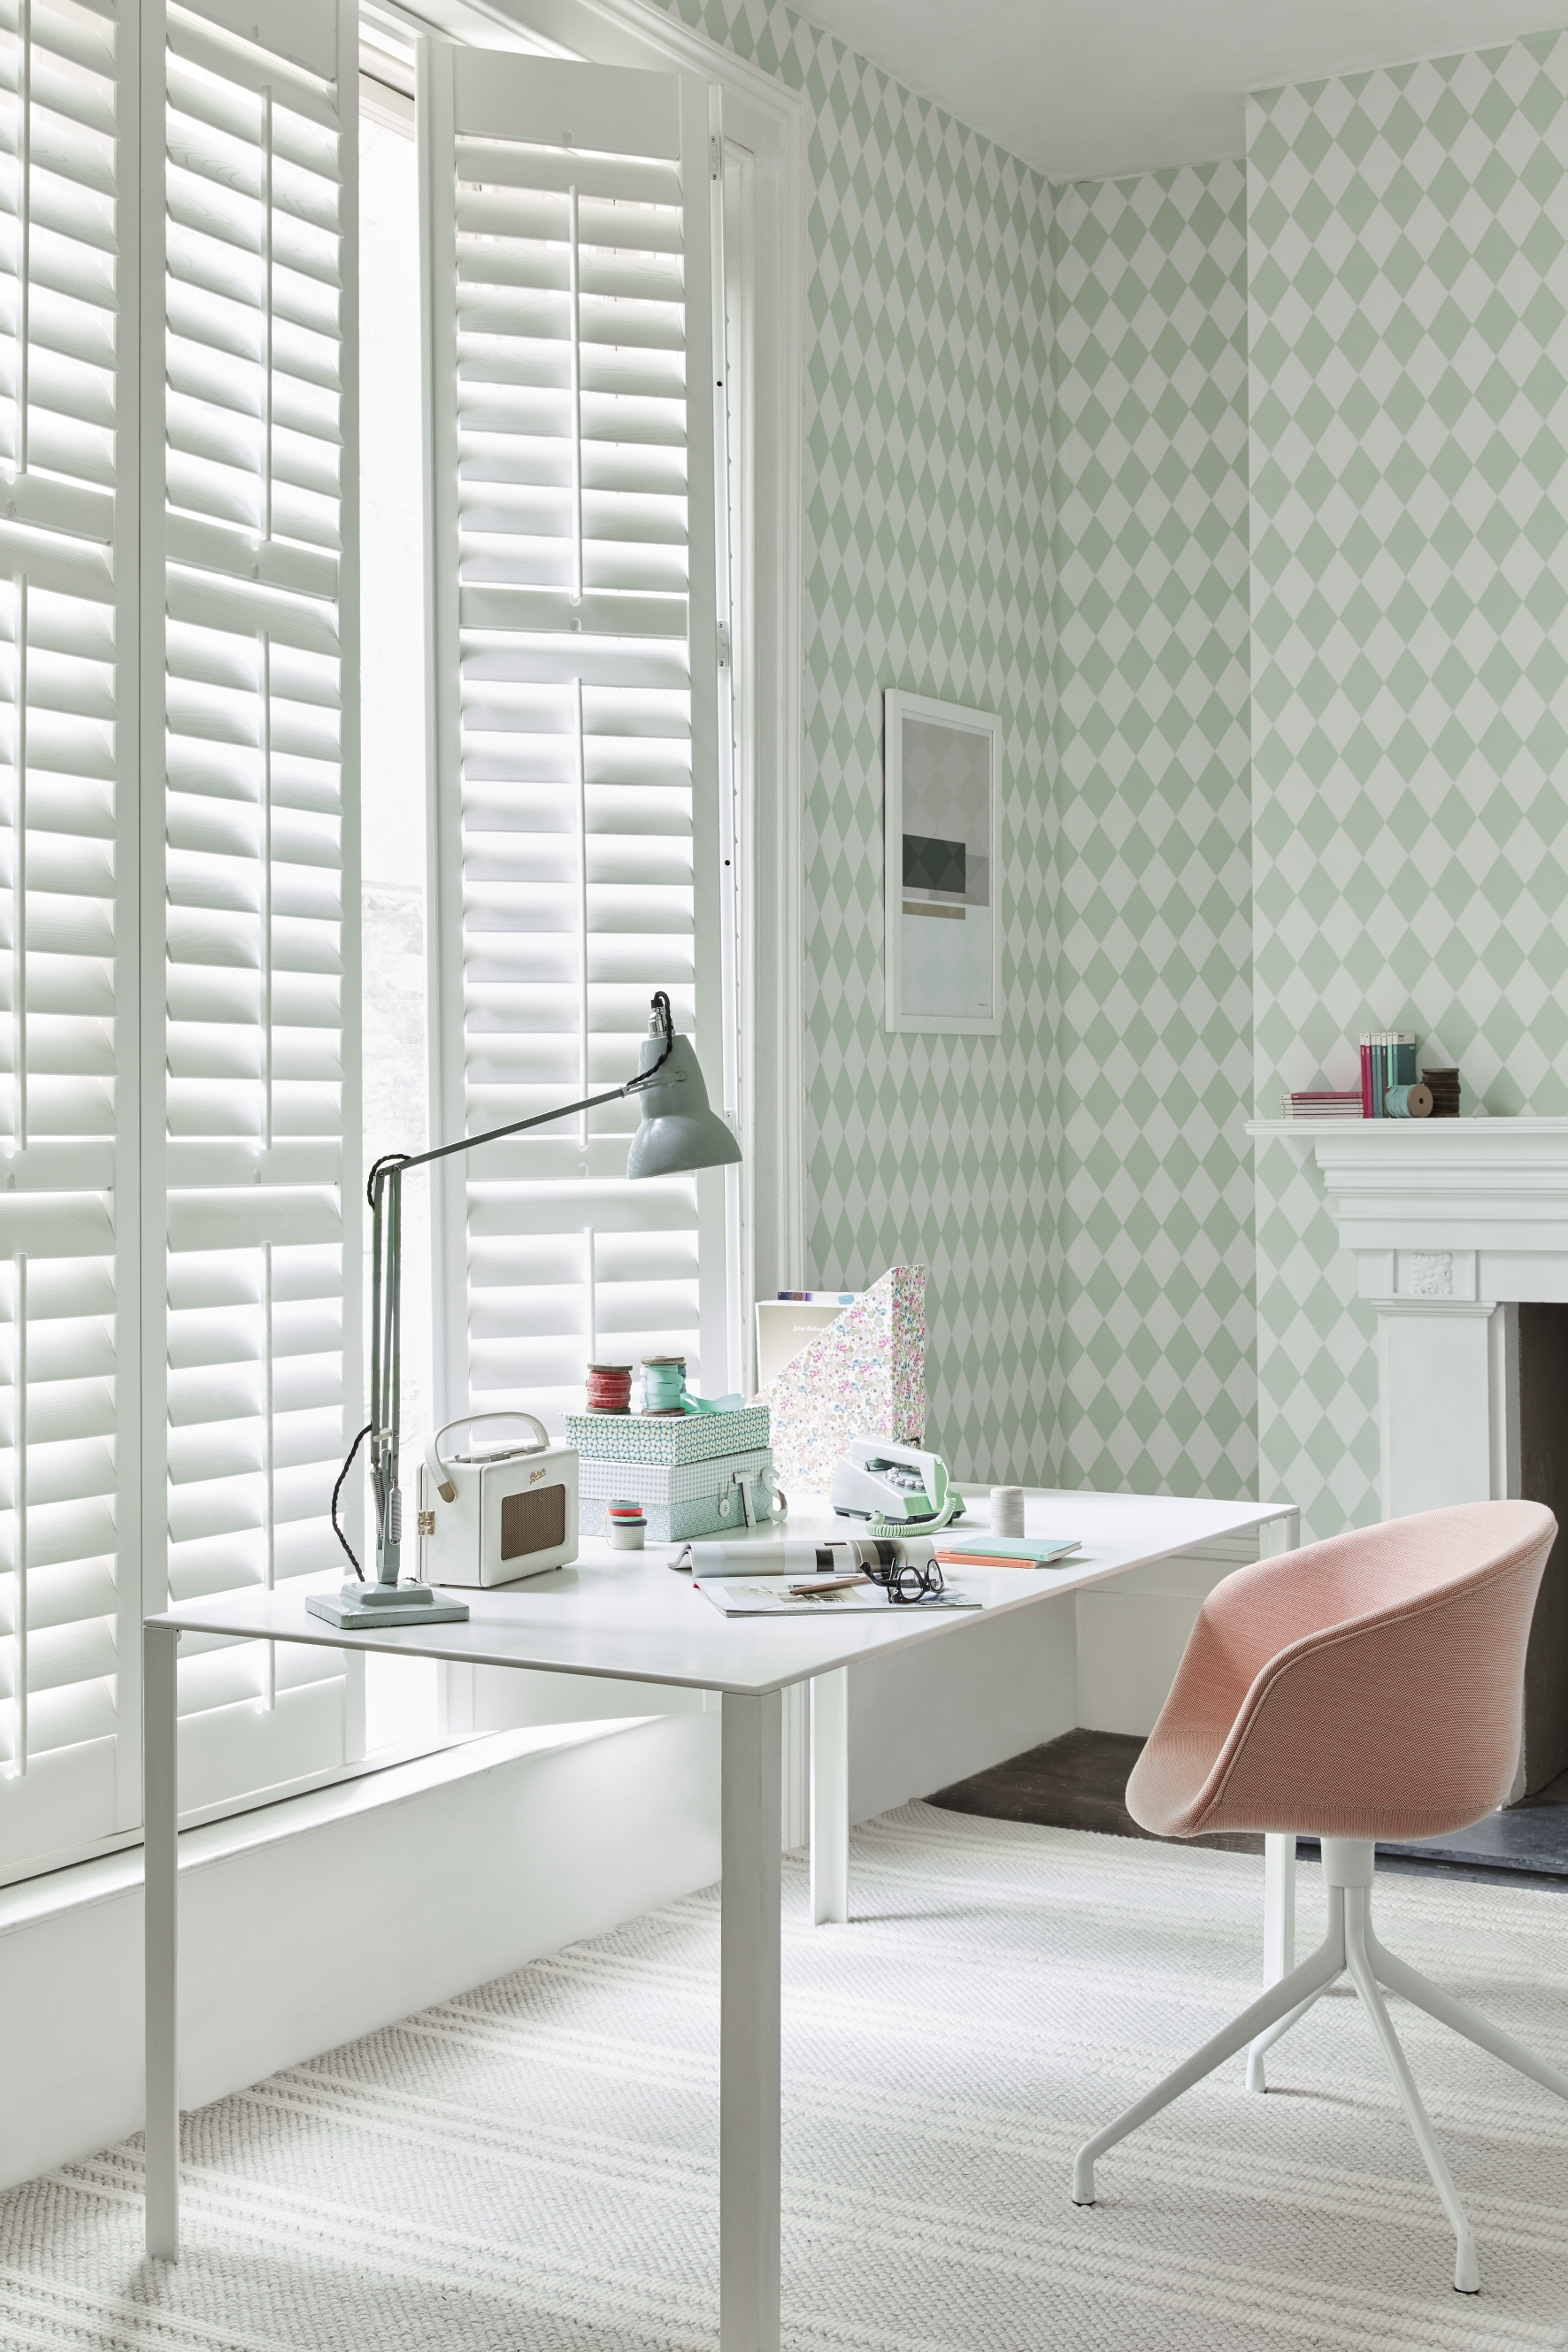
{"type": "Point", "coordinates": [569, 314]}
{"type": "Point", "coordinates": [69, 1592]}
{"type": "Point", "coordinates": [261, 1133]}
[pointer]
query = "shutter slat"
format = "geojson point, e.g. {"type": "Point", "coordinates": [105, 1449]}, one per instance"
{"type": "Point", "coordinates": [497, 164]}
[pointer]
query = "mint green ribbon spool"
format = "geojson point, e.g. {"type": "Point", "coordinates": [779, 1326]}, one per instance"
{"type": "Point", "coordinates": [1396, 1102]}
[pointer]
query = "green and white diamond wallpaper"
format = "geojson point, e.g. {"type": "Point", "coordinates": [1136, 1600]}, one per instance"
{"type": "Point", "coordinates": [1153, 1319]}
{"type": "Point", "coordinates": [1240, 492]}
{"type": "Point", "coordinates": [1408, 288]}
{"type": "Point", "coordinates": [926, 555]}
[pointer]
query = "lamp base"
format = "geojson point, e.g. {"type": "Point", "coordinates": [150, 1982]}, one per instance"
{"type": "Point", "coordinates": [363, 1605]}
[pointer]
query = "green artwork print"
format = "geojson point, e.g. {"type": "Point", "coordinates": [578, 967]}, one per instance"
{"type": "Point", "coordinates": [943, 831]}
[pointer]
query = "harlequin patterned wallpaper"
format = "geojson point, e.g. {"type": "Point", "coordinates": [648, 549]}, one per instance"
{"type": "Point", "coordinates": [961, 347]}
{"type": "Point", "coordinates": [1182, 519]}
{"type": "Point", "coordinates": [1153, 1325]}
{"type": "Point", "coordinates": [1408, 274]}
{"type": "Point", "coordinates": [926, 557]}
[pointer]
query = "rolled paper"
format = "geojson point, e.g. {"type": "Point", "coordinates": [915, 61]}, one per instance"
{"type": "Point", "coordinates": [803, 1555]}
{"type": "Point", "coordinates": [1408, 1102]}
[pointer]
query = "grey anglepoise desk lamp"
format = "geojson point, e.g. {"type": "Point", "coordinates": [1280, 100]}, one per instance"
{"type": "Point", "coordinates": [678, 1133]}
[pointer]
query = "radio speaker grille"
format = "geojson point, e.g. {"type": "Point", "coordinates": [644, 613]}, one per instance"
{"type": "Point", "coordinates": [532, 1522]}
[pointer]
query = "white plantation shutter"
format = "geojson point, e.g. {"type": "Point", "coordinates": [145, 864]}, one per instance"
{"type": "Point", "coordinates": [570, 439]}
{"type": "Point", "coordinates": [256, 1123]}
{"type": "Point", "coordinates": [70, 1591]}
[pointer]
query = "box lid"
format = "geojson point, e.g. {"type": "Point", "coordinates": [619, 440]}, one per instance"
{"type": "Point", "coordinates": [690, 1437]}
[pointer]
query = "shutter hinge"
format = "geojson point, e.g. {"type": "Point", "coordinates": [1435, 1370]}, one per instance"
{"type": "Point", "coordinates": [716, 156]}
{"type": "Point", "coordinates": [724, 647]}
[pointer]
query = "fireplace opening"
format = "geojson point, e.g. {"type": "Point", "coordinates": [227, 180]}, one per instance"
{"type": "Point", "coordinates": [1543, 1477]}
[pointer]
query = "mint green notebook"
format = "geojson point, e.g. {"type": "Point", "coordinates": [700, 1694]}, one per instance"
{"type": "Point", "coordinates": [1046, 1549]}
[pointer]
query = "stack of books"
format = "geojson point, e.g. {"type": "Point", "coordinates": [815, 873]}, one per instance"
{"type": "Point", "coordinates": [1387, 1061]}
{"type": "Point", "coordinates": [1389, 1087]}
{"type": "Point", "coordinates": [1321, 1104]}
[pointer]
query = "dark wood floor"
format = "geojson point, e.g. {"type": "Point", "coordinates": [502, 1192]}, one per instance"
{"type": "Point", "coordinates": [1079, 1781]}
{"type": "Point", "coordinates": [1076, 1782]}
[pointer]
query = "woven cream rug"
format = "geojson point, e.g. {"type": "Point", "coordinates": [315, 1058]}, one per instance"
{"type": "Point", "coordinates": [532, 2167]}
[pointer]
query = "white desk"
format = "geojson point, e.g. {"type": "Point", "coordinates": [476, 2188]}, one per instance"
{"type": "Point", "coordinates": [626, 1615]}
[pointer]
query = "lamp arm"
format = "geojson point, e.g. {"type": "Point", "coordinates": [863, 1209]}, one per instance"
{"type": "Point", "coordinates": [518, 1126]}
{"type": "Point", "coordinates": [404, 1160]}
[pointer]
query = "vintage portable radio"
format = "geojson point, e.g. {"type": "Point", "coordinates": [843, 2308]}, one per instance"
{"type": "Point", "coordinates": [491, 1514]}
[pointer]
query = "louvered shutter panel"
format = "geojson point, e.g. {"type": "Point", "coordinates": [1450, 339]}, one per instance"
{"type": "Point", "coordinates": [570, 440]}
{"type": "Point", "coordinates": [256, 1123]}
{"type": "Point", "coordinates": [69, 1595]}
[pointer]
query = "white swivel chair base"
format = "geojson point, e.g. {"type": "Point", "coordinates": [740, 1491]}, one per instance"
{"type": "Point", "coordinates": [1350, 1945]}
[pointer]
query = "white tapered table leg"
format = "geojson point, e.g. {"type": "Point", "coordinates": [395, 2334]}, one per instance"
{"type": "Point", "coordinates": [749, 2028]}
{"type": "Point", "coordinates": [830, 1797]}
{"type": "Point", "coordinates": [160, 1798]}
{"type": "Point", "coordinates": [1279, 1536]}
{"type": "Point", "coordinates": [1278, 1930]}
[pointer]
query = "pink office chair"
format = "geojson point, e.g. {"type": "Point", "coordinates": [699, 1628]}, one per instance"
{"type": "Point", "coordinates": [1367, 1687]}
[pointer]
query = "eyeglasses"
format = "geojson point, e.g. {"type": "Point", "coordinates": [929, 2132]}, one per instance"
{"type": "Point", "coordinates": [905, 1580]}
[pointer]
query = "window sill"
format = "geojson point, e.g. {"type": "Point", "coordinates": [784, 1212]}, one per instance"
{"type": "Point", "coordinates": [108, 1876]}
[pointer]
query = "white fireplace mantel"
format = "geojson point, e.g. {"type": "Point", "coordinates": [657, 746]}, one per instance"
{"type": "Point", "coordinates": [1453, 1225]}
{"type": "Point", "coordinates": [1445, 1208]}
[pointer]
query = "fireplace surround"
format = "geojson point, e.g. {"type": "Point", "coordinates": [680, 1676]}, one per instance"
{"type": "Point", "coordinates": [1459, 1232]}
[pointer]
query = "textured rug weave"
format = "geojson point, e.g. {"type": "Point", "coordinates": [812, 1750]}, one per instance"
{"type": "Point", "coordinates": [533, 2167]}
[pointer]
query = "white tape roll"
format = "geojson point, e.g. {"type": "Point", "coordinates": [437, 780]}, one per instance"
{"type": "Point", "coordinates": [1007, 1510]}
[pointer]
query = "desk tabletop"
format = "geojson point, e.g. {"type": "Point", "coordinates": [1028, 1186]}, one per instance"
{"type": "Point", "coordinates": [629, 1616]}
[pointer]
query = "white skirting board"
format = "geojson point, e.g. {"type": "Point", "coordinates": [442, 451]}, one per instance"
{"type": "Point", "coordinates": [306, 1924]}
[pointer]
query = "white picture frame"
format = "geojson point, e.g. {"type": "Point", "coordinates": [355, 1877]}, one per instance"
{"type": "Point", "coordinates": [941, 768]}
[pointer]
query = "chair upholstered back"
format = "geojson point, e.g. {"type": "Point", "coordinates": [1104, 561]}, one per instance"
{"type": "Point", "coordinates": [1371, 1687]}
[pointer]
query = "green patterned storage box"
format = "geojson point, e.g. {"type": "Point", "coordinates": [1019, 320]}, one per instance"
{"type": "Point", "coordinates": [677, 1499]}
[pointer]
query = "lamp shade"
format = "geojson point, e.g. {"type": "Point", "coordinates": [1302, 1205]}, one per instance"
{"type": "Point", "coordinates": [679, 1131]}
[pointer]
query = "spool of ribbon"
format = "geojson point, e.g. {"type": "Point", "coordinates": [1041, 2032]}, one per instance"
{"type": "Point", "coordinates": [663, 1383]}
{"type": "Point", "coordinates": [1408, 1102]}
{"type": "Point", "coordinates": [609, 1387]}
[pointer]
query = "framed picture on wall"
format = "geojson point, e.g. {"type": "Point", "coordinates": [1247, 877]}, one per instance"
{"type": "Point", "coordinates": [943, 767]}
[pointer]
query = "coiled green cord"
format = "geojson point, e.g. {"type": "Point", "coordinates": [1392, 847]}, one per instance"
{"type": "Point", "coordinates": [880, 1525]}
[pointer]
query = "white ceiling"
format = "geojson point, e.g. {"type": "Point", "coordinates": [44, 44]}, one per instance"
{"type": "Point", "coordinates": [1087, 89]}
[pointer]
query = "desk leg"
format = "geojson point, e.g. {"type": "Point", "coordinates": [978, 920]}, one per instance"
{"type": "Point", "coordinates": [1279, 1536]}
{"type": "Point", "coordinates": [749, 2028]}
{"type": "Point", "coordinates": [1278, 1934]}
{"type": "Point", "coordinates": [160, 1655]}
{"type": "Point", "coordinates": [830, 1797]}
